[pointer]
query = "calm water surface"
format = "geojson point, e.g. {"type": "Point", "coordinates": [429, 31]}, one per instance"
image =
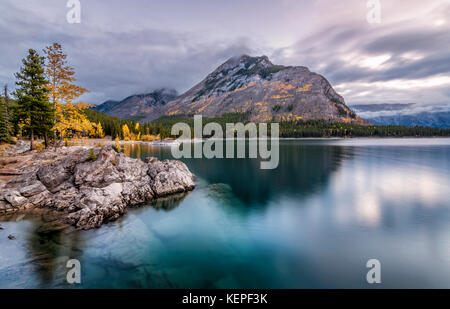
{"type": "Point", "coordinates": [314, 222]}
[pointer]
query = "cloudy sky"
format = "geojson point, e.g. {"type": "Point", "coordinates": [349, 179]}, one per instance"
{"type": "Point", "coordinates": [128, 47]}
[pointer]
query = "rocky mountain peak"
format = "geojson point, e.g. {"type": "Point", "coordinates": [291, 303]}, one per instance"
{"type": "Point", "coordinates": [264, 91]}
{"type": "Point", "coordinates": [165, 92]}
{"type": "Point", "coordinates": [246, 84]}
{"type": "Point", "coordinates": [246, 61]}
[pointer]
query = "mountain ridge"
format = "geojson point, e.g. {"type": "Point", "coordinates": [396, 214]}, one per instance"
{"type": "Point", "coordinates": [259, 88]}
{"type": "Point", "coordinates": [404, 114]}
{"type": "Point", "coordinates": [138, 105]}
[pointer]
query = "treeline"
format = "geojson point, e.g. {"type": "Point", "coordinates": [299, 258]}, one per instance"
{"type": "Point", "coordinates": [313, 128]}
{"type": "Point", "coordinates": [288, 129]}
{"type": "Point", "coordinates": [321, 128]}
{"type": "Point", "coordinates": [43, 104]}
{"type": "Point", "coordinates": [160, 127]}
{"type": "Point", "coordinates": [124, 129]}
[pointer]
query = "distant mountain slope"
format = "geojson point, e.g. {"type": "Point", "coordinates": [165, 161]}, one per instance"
{"type": "Point", "coordinates": [423, 119]}
{"type": "Point", "coordinates": [265, 91]}
{"type": "Point", "coordinates": [144, 107]}
{"type": "Point", "coordinates": [402, 114]}
{"type": "Point", "coordinates": [106, 106]}
{"type": "Point", "coordinates": [382, 107]}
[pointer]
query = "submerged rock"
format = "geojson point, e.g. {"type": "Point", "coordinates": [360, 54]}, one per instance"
{"type": "Point", "coordinates": [92, 191]}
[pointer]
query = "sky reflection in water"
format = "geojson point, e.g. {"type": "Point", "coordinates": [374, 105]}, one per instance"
{"type": "Point", "coordinates": [330, 206]}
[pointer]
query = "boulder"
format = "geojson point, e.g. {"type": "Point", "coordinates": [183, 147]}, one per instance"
{"type": "Point", "coordinates": [169, 177]}
{"type": "Point", "coordinates": [32, 189]}
{"type": "Point", "coordinates": [14, 198]}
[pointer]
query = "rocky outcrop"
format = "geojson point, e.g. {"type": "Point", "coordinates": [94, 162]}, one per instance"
{"type": "Point", "coordinates": [13, 149]}
{"type": "Point", "coordinates": [93, 186]}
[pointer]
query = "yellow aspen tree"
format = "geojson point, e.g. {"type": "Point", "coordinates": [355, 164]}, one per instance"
{"type": "Point", "coordinates": [117, 144]}
{"type": "Point", "coordinates": [126, 133]}
{"type": "Point", "coordinates": [100, 132]}
{"type": "Point", "coordinates": [69, 116]}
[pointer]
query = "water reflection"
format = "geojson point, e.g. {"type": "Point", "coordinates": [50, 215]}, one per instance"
{"type": "Point", "coordinates": [41, 248]}
{"type": "Point", "coordinates": [302, 171]}
{"type": "Point", "coordinates": [312, 223]}
{"type": "Point", "coordinates": [170, 202]}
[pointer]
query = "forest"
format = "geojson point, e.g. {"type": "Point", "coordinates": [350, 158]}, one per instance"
{"type": "Point", "coordinates": [288, 129]}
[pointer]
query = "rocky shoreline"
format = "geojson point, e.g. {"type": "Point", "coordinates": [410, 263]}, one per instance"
{"type": "Point", "coordinates": [92, 186]}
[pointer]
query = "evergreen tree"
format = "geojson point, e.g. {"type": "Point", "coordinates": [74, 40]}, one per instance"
{"type": "Point", "coordinates": [33, 106]}
{"type": "Point", "coordinates": [4, 123]}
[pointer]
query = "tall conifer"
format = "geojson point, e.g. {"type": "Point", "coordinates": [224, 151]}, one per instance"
{"type": "Point", "coordinates": [33, 106]}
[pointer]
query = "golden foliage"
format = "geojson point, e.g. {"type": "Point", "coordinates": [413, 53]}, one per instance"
{"type": "Point", "coordinates": [126, 133]}
{"type": "Point", "coordinates": [245, 87]}
{"type": "Point", "coordinates": [100, 132]}
{"type": "Point", "coordinates": [70, 120]}
{"type": "Point", "coordinates": [150, 138]}
{"type": "Point", "coordinates": [117, 144]}
{"type": "Point", "coordinates": [280, 97]}
{"type": "Point", "coordinates": [305, 88]}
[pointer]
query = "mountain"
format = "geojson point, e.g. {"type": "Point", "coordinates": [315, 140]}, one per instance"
{"type": "Point", "coordinates": [253, 85]}
{"type": "Point", "coordinates": [265, 91]}
{"type": "Point", "coordinates": [106, 106]}
{"type": "Point", "coordinates": [404, 115]}
{"type": "Point", "coordinates": [424, 119]}
{"type": "Point", "coordinates": [144, 107]}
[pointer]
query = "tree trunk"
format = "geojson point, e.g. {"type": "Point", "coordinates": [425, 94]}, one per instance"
{"type": "Point", "coordinates": [54, 138]}
{"type": "Point", "coordinates": [54, 119]}
{"type": "Point", "coordinates": [46, 140]}
{"type": "Point", "coordinates": [31, 139]}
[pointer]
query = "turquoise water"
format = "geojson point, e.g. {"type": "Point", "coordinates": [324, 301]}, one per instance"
{"type": "Point", "coordinates": [314, 222]}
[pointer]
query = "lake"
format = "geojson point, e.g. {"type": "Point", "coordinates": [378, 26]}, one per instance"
{"type": "Point", "coordinates": [314, 222]}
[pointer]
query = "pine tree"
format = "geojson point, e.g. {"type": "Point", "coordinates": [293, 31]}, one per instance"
{"type": "Point", "coordinates": [33, 107]}
{"type": "Point", "coordinates": [4, 123]}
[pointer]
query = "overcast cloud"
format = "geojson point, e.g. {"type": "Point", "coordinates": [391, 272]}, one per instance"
{"type": "Point", "coordinates": [127, 47]}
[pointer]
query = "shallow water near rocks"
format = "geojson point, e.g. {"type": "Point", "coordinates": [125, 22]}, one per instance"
{"type": "Point", "coordinates": [313, 222]}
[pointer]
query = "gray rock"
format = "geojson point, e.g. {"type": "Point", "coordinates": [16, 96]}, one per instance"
{"type": "Point", "coordinates": [33, 189]}
{"type": "Point", "coordinates": [170, 177]}
{"type": "Point", "coordinates": [18, 148]}
{"type": "Point", "coordinates": [3, 206]}
{"type": "Point", "coordinates": [52, 176]}
{"type": "Point", "coordinates": [15, 199]}
{"type": "Point", "coordinates": [92, 193]}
